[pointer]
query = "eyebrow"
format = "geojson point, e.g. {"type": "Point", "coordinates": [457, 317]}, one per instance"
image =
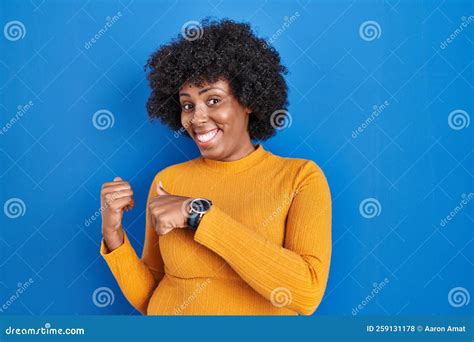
{"type": "Point", "coordinates": [202, 91]}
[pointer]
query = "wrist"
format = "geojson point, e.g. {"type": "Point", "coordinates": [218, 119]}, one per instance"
{"type": "Point", "coordinates": [113, 240]}
{"type": "Point", "coordinates": [198, 207]}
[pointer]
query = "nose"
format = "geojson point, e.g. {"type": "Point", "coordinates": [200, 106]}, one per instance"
{"type": "Point", "coordinates": [200, 114]}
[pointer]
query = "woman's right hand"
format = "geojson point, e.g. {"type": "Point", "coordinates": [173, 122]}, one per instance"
{"type": "Point", "coordinates": [115, 197]}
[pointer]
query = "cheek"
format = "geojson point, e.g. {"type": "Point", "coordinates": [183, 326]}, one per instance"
{"type": "Point", "coordinates": [185, 119]}
{"type": "Point", "coordinates": [233, 119]}
{"type": "Point", "coordinates": [225, 116]}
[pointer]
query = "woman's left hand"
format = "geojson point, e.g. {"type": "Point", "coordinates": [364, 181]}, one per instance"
{"type": "Point", "coordinates": [167, 211]}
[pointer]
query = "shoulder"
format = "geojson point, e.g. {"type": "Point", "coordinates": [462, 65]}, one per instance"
{"type": "Point", "coordinates": [298, 166]}
{"type": "Point", "coordinates": [300, 172]}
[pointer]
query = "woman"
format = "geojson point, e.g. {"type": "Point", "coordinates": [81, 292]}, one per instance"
{"type": "Point", "coordinates": [239, 230]}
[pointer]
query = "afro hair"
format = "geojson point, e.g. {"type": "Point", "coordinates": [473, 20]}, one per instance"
{"type": "Point", "coordinates": [210, 51]}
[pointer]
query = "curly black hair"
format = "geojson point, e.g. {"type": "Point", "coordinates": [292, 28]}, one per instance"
{"type": "Point", "coordinates": [214, 50]}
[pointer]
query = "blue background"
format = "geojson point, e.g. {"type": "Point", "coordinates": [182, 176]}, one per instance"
{"type": "Point", "coordinates": [409, 158]}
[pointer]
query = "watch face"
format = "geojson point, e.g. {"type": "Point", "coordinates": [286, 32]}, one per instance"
{"type": "Point", "coordinates": [200, 205]}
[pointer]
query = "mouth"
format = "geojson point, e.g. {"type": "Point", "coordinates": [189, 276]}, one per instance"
{"type": "Point", "coordinates": [207, 138]}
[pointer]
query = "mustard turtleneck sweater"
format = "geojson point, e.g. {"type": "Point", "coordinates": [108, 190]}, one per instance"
{"type": "Point", "coordinates": [264, 247]}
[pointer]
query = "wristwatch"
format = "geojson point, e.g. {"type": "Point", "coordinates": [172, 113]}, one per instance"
{"type": "Point", "coordinates": [197, 208]}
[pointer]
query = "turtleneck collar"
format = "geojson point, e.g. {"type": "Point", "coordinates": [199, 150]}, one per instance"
{"type": "Point", "coordinates": [250, 160]}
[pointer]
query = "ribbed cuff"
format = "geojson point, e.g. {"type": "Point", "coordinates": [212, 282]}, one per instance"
{"type": "Point", "coordinates": [213, 226]}
{"type": "Point", "coordinates": [124, 249]}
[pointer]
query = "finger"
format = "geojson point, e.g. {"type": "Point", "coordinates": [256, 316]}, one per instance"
{"type": "Point", "coordinates": [120, 203]}
{"type": "Point", "coordinates": [116, 188]}
{"type": "Point", "coordinates": [110, 201]}
{"type": "Point", "coordinates": [153, 212]}
{"type": "Point", "coordinates": [109, 184]}
{"type": "Point", "coordinates": [160, 190]}
{"type": "Point", "coordinates": [117, 179]}
{"type": "Point", "coordinates": [118, 194]}
{"type": "Point", "coordinates": [130, 206]}
{"type": "Point", "coordinates": [151, 219]}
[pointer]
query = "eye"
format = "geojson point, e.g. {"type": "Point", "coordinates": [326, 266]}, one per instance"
{"type": "Point", "coordinates": [187, 107]}
{"type": "Point", "coordinates": [213, 101]}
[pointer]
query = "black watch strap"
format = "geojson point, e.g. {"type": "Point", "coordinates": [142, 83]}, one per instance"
{"type": "Point", "coordinates": [198, 208]}
{"type": "Point", "coordinates": [193, 220]}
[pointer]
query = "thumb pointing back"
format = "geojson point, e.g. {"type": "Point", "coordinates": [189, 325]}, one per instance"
{"type": "Point", "coordinates": [160, 190]}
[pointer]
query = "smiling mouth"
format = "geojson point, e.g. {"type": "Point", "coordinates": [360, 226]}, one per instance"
{"type": "Point", "coordinates": [208, 136]}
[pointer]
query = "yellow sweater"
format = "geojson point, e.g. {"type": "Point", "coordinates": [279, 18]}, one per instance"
{"type": "Point", "coordinates": [264, 247]}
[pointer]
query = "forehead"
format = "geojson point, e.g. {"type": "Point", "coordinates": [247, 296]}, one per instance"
{"type": "Point", "coordinates": [189, 87]}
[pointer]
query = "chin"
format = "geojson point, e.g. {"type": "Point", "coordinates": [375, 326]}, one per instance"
{"type": "Point", "coordinates": [211, 153]}
{"type": "Point", "coordinates": [208, 153]}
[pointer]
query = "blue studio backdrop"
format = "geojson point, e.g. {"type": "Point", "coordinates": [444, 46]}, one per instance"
{"type": "Point", "coordinates": [380, 98]}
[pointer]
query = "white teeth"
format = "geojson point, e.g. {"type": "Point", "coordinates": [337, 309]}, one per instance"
{"type": "Point", "coordinates": [208, 136]}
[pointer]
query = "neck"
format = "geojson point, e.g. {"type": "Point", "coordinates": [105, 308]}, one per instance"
{"type": "Point", "coordinates": [243, 151]}
{"type": "Point", "coordinates": [248, 161]}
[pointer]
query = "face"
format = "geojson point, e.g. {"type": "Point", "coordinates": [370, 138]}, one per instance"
{"type": "Point", "coordinates": [214, 119]}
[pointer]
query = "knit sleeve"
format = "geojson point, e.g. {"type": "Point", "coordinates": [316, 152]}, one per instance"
{"type": "Point", "coordinates": [137, 277]}
{"type": "Point", "coordinates": [295, 274]}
